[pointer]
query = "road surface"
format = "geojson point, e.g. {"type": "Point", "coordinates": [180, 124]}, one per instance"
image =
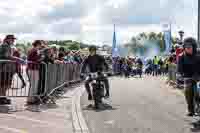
{"type": "Point", "coordinates": [144, 105]}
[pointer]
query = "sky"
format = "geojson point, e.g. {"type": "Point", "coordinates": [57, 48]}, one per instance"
{"type": "Point", "coordinates": [91, 21]}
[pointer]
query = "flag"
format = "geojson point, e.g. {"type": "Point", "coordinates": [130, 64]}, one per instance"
{"type": "Point", "coordinates": [167, 37]}
{"type": "Point", "coordinates": [115, 51]}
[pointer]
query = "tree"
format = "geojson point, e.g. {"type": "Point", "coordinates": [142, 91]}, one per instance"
{"type": "Point", "coordinates": [141, 43]}
{"type": "Point", "coordinates": [143, 35]}
{"type": "Point", "coordinates": [74, 46]}
{"type": "Point", "coordinates": [152, 36]}
{"type": "Point", "coordinates": [24, 47]}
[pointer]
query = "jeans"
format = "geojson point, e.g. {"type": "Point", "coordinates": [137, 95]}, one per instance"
{"type": "Point", "coordinates": [34, 80]}
{"type": "Point", "coordinates": [189, 94]}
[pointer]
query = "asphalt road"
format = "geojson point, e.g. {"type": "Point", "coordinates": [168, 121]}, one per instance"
{"type": "Point", "coordinates": [144, 105]}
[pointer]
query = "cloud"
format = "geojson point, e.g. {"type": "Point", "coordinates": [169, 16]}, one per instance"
{"type": "Point", "coordinates": [92, 20]}
{"type": "Point", "coordinates": [139, 12]}
{"type": "Point", "coordinates": [61, 12]}
{"type": "Point", "coordinates": [68, 26]}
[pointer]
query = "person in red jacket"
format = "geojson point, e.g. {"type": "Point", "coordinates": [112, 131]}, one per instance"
{"type": "Point", "coordinates": [179, 51]}
{"type": "Point", "coordinates": [33, 69]}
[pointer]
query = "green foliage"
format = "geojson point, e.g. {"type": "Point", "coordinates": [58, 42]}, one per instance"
{"type": "Point", "coordinates": [136, 45]}
{"type": "Point", "coordinates": [69, 44]}
{"type": "Point", "coordinates": [74, 46]}
{"type": "Point", "coordinates": [24, 47]}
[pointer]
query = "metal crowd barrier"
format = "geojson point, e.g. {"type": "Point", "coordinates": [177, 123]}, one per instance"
{"type": "Point", "coordinates": [11, 84]}
{"type": "Point", "coordinates": [41, 79]}
{"type": "Point", "coordinates": [58, 75]}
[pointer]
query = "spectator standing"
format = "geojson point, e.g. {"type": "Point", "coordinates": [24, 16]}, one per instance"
{"type": "Point", "coordinates": [139, 67]}
{"type": "Point", "coordinates": [7, 71]}
{"type": "Point", "coordinates": [33, 70]}
{"type": "Point", "coordinates": [160, 66]}
{"type": "Point", "coordinates": [49, 56]}
{"type": "Point", "coordinates": [155, 67]}
{"type": "Point", "coordinates": [47, 59]}
{"type": "Point", "coordinates": [60, 59]}
{"type": "Point", "coordinates": [62, 50]}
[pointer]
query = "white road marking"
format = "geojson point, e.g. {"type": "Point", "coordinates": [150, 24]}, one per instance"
{"type": "Point", "coordinates": [14, 130]}
{"type": "Point", "coordinates": [79, 123]}
{"type": "Point", "coordinates": [111, 122]}
{"type": "Point", "coordinates": [46, 123]}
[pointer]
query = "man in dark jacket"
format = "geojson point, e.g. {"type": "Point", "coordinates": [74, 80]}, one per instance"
{"type": "Point", "coordinates": [7, 70]}
{"type": "Point", "coordinates": [96, 63]}
{"type": "Point", "coordinates": [186, 67]}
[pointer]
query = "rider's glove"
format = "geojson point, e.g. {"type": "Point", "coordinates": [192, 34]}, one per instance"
{"type": "Point", "coordinates": [179, 76]}
{"type": "Point", "coordinates": [82, 76]}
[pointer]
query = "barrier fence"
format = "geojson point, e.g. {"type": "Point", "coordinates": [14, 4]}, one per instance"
{"type": "Point", "coordinates": [58, 75]}
{"type": "Point", "coordinates": [41, 79]}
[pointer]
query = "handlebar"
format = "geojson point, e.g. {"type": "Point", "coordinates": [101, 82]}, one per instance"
{"type": "Point", "coordinates": [193, 79]}
{"type": "Point", "coordinates": [95, 75]}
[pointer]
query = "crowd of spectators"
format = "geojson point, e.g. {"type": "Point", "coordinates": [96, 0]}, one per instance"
{"type": "Point", "coordinates": [136, 66]}
{"type": "Point", "coordinates": [127, 66]}
{"type": "Point", "coordinates": [38, 55]}
{"type": "Point", "coordinates": [41, 54]}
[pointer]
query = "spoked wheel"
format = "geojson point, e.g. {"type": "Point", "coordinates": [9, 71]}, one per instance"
{"type": "Point", "coordinates": [98, 94]}
{"type": "Point", "coordinates": [97, 97]}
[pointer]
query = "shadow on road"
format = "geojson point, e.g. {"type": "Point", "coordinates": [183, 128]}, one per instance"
{"type": "Point", "coordinates": [196, 126]}
{"type": "Point", "coordinates": [40, 108]}
{"type": "Point", "coordinates": [4, 109]}
{"type": "Point", "coordinates": [105, 107]}
{"type": "Point", "coordinates": [8, 109]}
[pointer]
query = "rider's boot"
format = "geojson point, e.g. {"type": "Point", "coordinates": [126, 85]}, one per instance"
{"type": "Point", "coordinates": [190, 114]}
{"type": "Point", "coordinates": [107, 94]}
{"type": "Point", "coordinates": [89, 96]}
{"type": "Point", "coordinates": [99, 106]}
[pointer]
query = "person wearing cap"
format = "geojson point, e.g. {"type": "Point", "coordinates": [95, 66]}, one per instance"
{"type": "Point", "coordinates": [186, 69]}
{"type": "Point", "coordinates": [10, 40]}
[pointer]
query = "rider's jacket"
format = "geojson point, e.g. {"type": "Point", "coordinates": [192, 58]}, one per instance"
{"type": "Point", "coordinates": [95, 63]}
{"type": "Point", "coordinates": [187, 65]}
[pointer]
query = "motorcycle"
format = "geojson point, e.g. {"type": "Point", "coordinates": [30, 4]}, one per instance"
{"type": "Point", "coordinates": [98, 88]}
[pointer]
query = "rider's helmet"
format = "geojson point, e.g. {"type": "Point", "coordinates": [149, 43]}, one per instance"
{"type": "Point", "coordinates": [190, 42]}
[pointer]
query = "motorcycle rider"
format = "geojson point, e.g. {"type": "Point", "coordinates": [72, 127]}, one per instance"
{"type": "Point", "coordinates": [95, 63]}
{"type": "Point", "coordinates": [186, 68]}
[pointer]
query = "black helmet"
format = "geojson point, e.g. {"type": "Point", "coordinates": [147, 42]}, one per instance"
{"type": "Point", "coordinates": [190, 42]}
{"type": "Point", "coordinates": [92, 48]}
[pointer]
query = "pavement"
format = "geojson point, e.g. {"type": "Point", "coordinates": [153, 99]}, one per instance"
{"type": "Point", "coordinates": [64, 117]}
{"type": "Point", "coordinates": [146, 105]}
